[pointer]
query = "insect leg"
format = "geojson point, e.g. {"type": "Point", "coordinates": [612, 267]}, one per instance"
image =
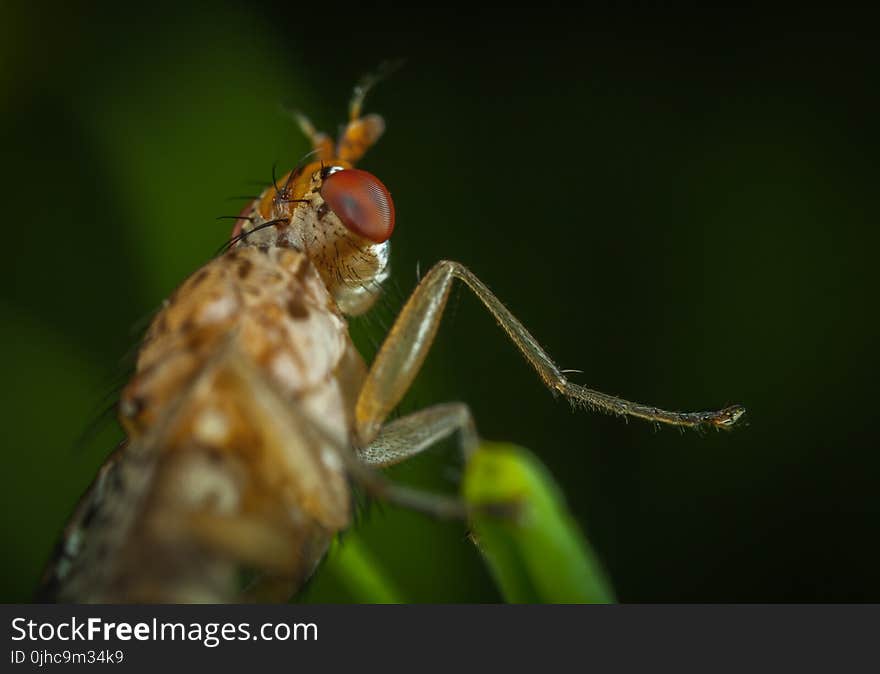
{"type": "Point", "coordinates": [359, 136]}
{"type": "Point", "coordinates": [412, 434]}
{"type": "Point", "coordinates": [366, 83]}
{"type": "Point", "coordinates": [322, 144]}
{"type": "Point", "coordinates": [412, 334]}
{"type": "Point", "coordinates": [362, 132]}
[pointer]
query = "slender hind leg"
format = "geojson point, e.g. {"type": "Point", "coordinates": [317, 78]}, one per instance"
{"type": "Point", "coordinates": [412, 334]}
{"type": "Point", "coordinates": [399, 360]}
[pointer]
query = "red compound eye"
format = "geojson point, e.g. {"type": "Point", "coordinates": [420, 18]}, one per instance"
{"type": "Point", "coordinates": [362, 202]}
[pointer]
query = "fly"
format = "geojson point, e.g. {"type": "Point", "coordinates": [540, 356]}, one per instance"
{"type": "Point", "coordinates": [251, 411]}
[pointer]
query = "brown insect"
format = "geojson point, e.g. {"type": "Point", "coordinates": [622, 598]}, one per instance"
{"type": "Point", "coordinates": [251, 410]}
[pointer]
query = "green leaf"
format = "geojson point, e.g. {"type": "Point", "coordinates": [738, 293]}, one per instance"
{"type": "Point", "coordinates": [355, 569]}
{"type": "Point", "coordinates": [531, 543]}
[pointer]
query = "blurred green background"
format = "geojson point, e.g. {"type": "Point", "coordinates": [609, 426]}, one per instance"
{"type": "Point", "coordinates": [684, 210]}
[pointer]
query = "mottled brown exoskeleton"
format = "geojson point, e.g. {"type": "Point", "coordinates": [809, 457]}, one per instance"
{"type": "Point", "coordinates": [251, 410]}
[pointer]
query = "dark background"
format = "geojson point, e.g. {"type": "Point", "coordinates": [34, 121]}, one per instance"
{"type": "Point", "coordinates": [683, 206]}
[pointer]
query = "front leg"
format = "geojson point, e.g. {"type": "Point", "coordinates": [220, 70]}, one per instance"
{"type": "Point", "coordinates": [411, 336]}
